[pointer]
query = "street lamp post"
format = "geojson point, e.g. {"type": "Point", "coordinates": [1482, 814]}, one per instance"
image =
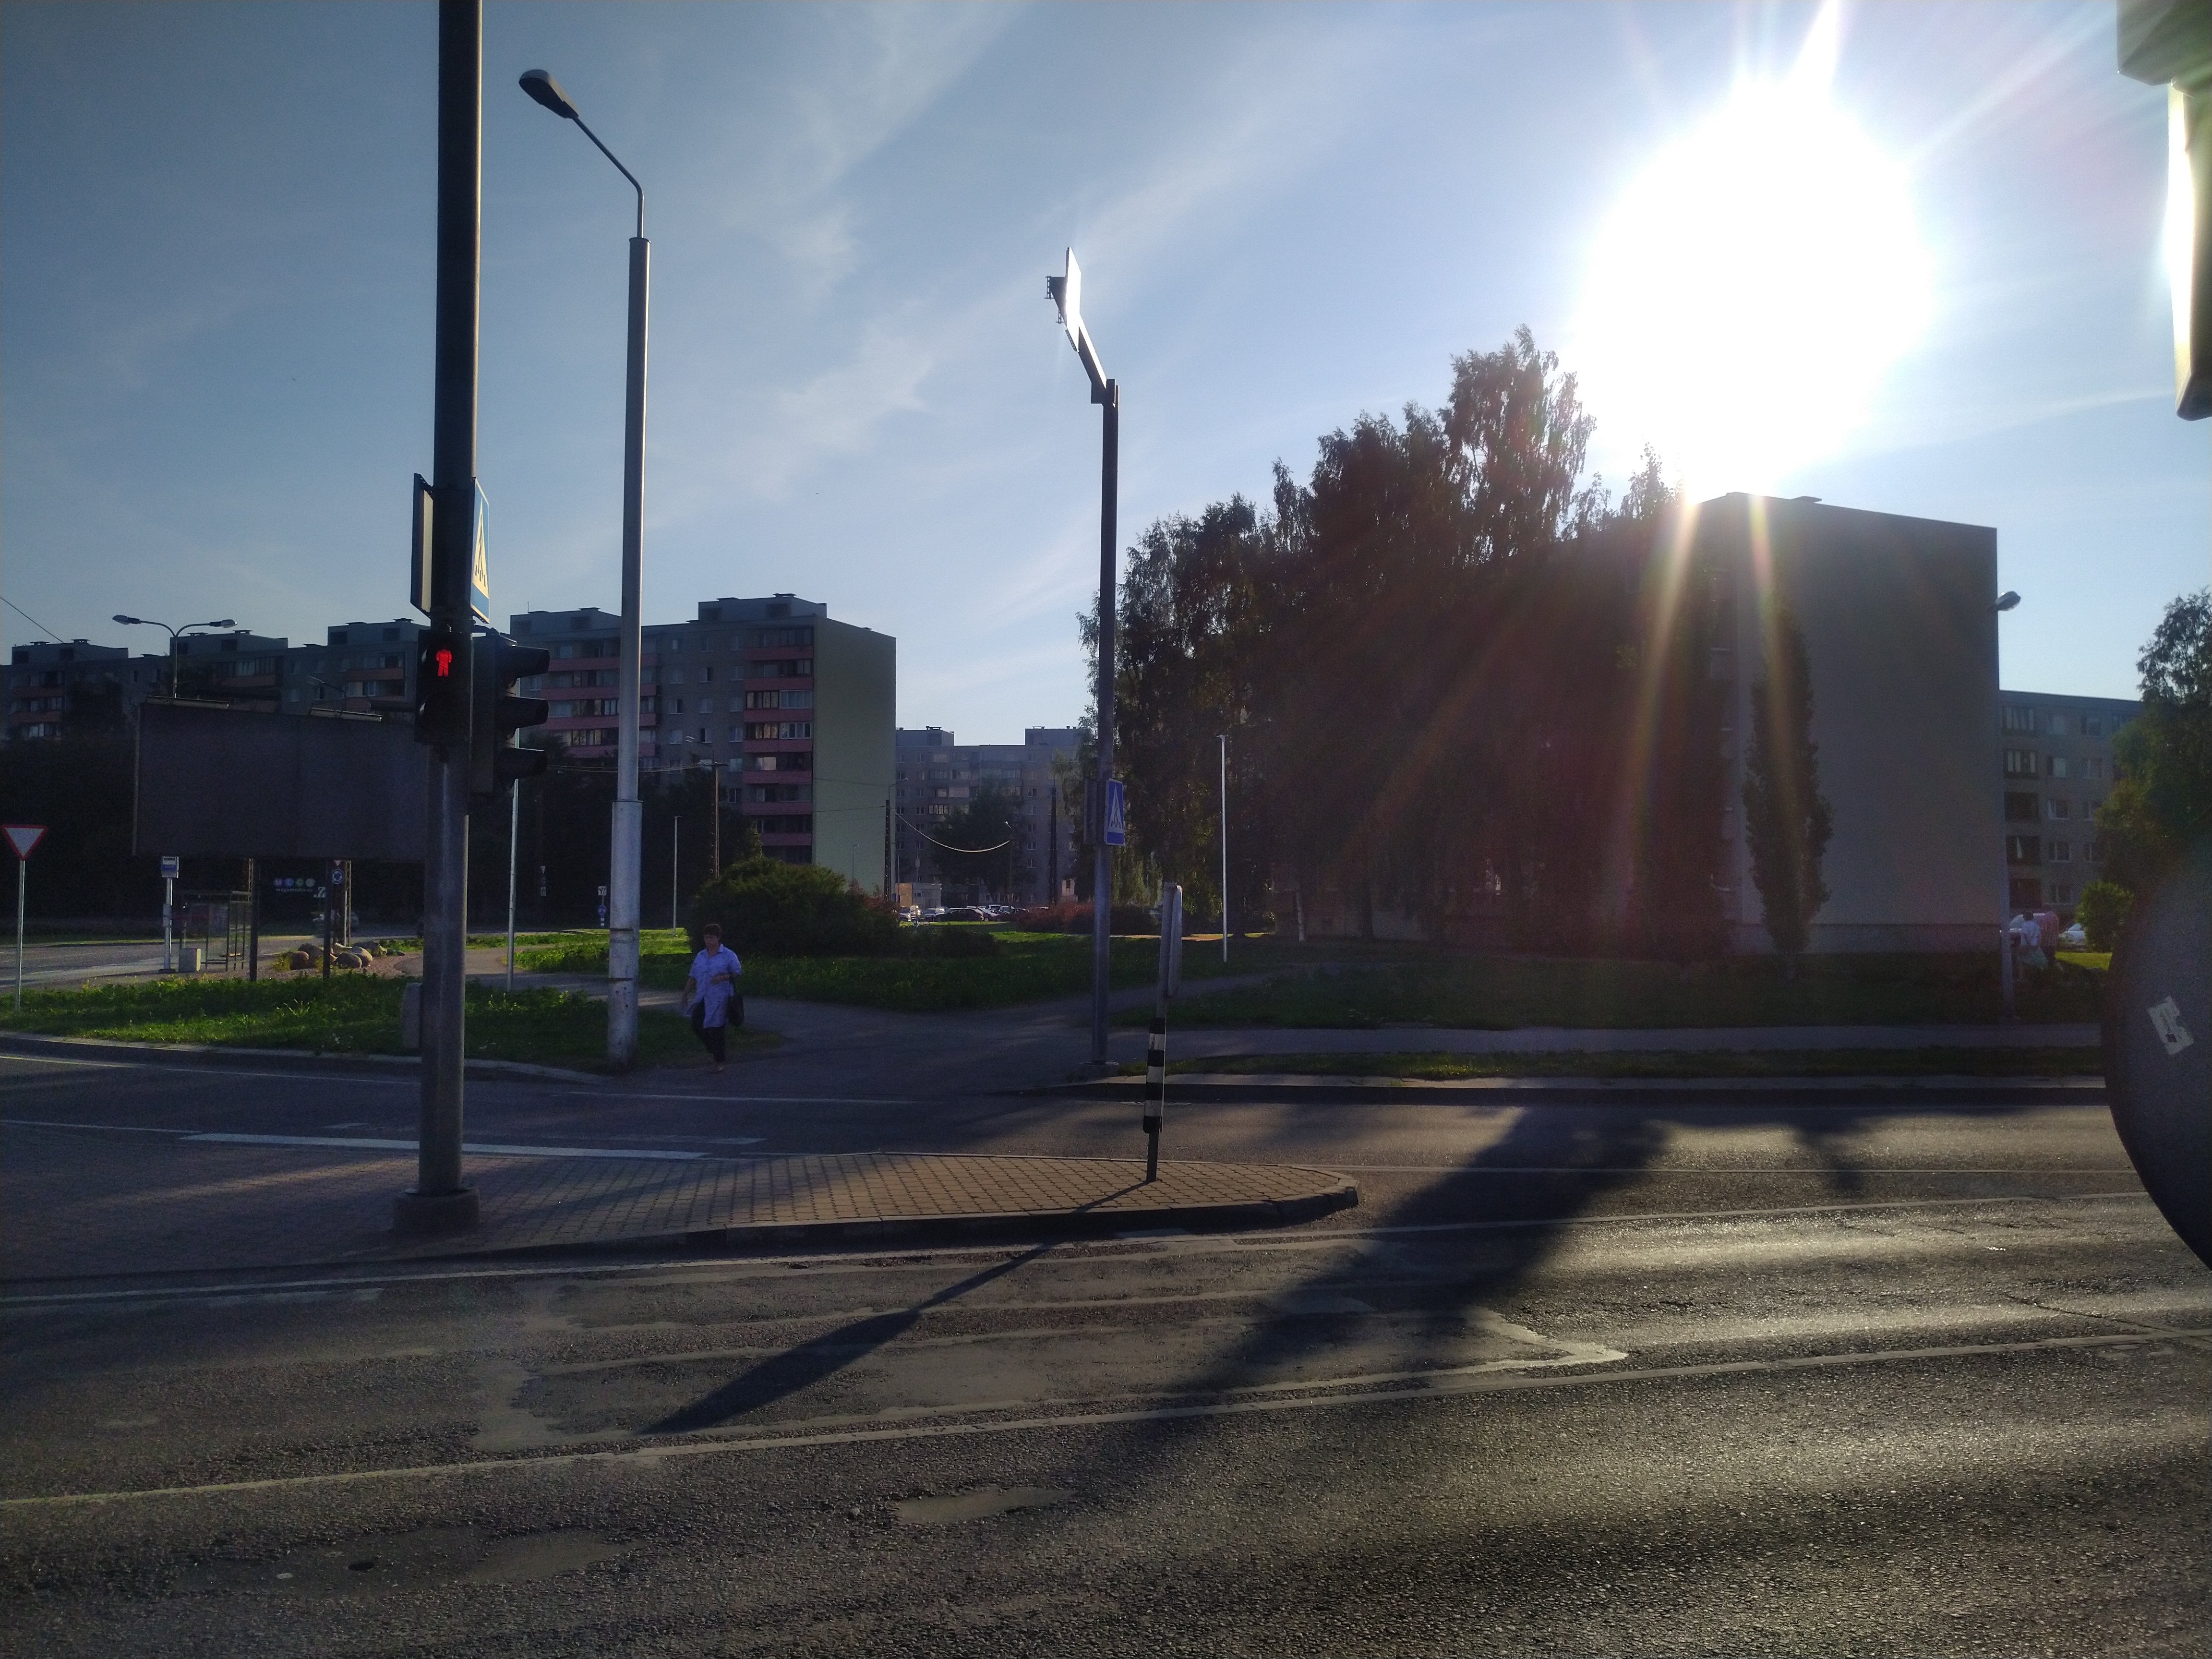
{"type": "Point", "coordinates": [1067, 293]}
{"type": "Point", "coordinates": [623, 874]}
{"type": "Point", "coordinates": [1224, 846]}
{"type": "Point", "coordinates": [2005, 602]}
{"type": "Point", "coordinates": [147, 622]}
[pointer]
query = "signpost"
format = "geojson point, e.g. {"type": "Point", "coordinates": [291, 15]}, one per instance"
{"type": "Point", "coordinates": [22, 837]}
{"type": "Point", "coordinates": [1117, 823]}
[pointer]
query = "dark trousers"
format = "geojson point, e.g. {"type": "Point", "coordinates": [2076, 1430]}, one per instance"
{"type": "Point", "coordinates": [716, 1037]}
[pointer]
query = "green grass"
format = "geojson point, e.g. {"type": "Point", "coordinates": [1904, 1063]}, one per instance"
{"type": "Point", "coordinates": [1662, 1063]}
{"type": "Point", "coordinates": [1030, 967]}
{"type": "Point", "coordinates": [355, 1014]}
{"type": "Point", "coordinates": [1498, 992]}
{"type": "Point", "coordinates": [2096, 961]}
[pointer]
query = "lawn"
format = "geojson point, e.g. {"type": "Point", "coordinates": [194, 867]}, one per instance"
{"type": "Point", "coordinates": [1659, 1063]}
{"type": "Point", "coordinates": [1029, 968]}
{"type": "Point", "coordinates": [355, 1014]}
{"type": "Point", "coordinates": [1500, 992]}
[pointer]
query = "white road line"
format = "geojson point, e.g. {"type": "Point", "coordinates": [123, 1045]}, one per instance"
{"type": "Point", "coordinates": [104, 1128]}
{"type": "Point", "coordinates": [759, 1100]}
{"type": "Point", "coordinates": [214, 1071]}
{"type": "Point", "coordinates": [1490, 1382]}
{"type": "Point", "coordinates": [916, 1259]}
{"type": "Point", "coordinates": [366, 1144]}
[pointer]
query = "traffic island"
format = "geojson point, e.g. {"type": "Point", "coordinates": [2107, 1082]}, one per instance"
{"type": "Point", "coordinates": [81, 1203]}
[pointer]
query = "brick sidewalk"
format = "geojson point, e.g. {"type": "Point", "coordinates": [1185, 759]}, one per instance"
{"type": "Point", "coordinates": [80, 1204]}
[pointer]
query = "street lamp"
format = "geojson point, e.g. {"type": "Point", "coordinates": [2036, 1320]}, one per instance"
{"type": "Point", "coordinates": [1067, 293]}
{"type": "Point", "coordinates": [147, 622]}
{"type": "Point", "coordinates": [623, 874]}
{"type": "Point", "coordinates": [2006, 601]}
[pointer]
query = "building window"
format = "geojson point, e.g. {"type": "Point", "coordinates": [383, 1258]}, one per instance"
{"type": "Point", "coordinates": [2017, 719]}
{"type": "Point", "coordinates": [2059, 767]}
{"type": "Point", "coordinates": [2058, 724]}
{"type": "Point", "coordinates": [2023, 849]}
{"type": "Point", "coordinates": [2096, 767]}
{"type": "Point", "coordinates": [2061, 852]}
{"type": "Point", "coordinates": [2020, 762]}
{"type": "Point", "coordinates": [2093, 725]}
{"type": "Point", "coordinates": [2020, 808]}
{"type": "Point", "coordinates": [2093, 851]}
{"type": "Point", "coordinates": [2058, 807]}
{"type": "Point", "coordinates": [776, 731]}
{"type": "Point", "coordinates": [2062, 893]}
{"type": "Point", "coordinates": [706, 705]}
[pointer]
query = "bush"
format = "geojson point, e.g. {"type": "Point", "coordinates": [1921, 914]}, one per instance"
{"type": "Point", "coordinates": [780, 910]}
{"type": "Point", "coordinates": [2103, 911]}
{"type": "Point", "coordinates": [957, 942]}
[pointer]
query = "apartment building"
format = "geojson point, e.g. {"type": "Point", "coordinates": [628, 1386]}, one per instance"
{"type": "Point", "coordinates": [1900, 625]}
{"type": "Point", "coordinates": [939, 777]}
{"type": "Point", "coordinates": [2055, 754]}
{"type": "Point", "coordinates": [791, 709]}
{"type": "Point", "coordinates": [44, 681]}
{"type": "Point", "coordinates": [360, 668]}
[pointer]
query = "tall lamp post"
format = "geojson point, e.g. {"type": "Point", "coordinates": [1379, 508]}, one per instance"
{"type": "Point", "coordinates": [147, 622]}
{"type": "Point", "coordinates": [1067, 293]}
{"type": "Point", "coordinates": [623, 874]}
{"type": "Point", "coordinates": [2005, 602]}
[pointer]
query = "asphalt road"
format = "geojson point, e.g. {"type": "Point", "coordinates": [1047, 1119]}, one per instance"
{"type": "Point", "coordinates": [1688, 1377]}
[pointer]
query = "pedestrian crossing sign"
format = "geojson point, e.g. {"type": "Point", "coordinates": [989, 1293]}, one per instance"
{"type": "Point", "coordinates": [480, 560]}
{"type": "Point", "coordinates": [1117, 830]}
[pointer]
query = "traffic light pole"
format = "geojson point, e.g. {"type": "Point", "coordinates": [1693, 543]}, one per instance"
{"type": "Point", "coordinates": [439, 1203]}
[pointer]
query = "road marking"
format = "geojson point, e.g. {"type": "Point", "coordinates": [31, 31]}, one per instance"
{"type": "Point", "coordinates": [1513, 1381]}
{"type": "Point", "coordinates": [105, 1129]}
{"type": "Point", "coordinates": [758, 1099]}
{"type": "Point", "coordinates": [920, 1258]}
{"type": "Point", "coordinates": [363, 1144]}
{"type": "Point", "coordinates": [214, 1071]}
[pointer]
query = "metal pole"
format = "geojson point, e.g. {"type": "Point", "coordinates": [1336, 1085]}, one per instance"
{"type": "Point", "coordinates": [1102, 876]}
{"type": "Point", "coordinates": [1224, 846]}
{"type": "Point", "coordinates": [2004, 958]}
{"type": "Point", "coordinates": [622, 894]}
{"type": "Point", "coordinates": [675, 863]}
{"type": "Point", "coordinates": [253, 922]}
{"type": "Point", "coordinates": [513, 836]}
{"type": "Point", "coordinates": [329, 931]}
{"type": "Point", "coordinates": [22, 869]}
{"type": "Point", "coordinates": [440, 1201]}
{"type": "Point", "coordinates": [168, 937]}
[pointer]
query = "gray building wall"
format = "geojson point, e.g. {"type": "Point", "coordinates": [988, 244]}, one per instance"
{"type": "Point", "coordinates": [856, 690]}
{"type": "Point", "coordinates": [2054, 755]}
{"type": "Point", "coordinates": [1900, 624]}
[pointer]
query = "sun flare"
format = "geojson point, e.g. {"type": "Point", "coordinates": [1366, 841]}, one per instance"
{"type": "Point", "coordinates": [1752, 286]}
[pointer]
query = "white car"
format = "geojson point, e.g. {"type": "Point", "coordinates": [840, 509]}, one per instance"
{"type": "Point", "coordinates": [2074, 939]}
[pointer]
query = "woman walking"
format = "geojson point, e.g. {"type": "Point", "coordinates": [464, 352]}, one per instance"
{"type": "Point", "coordinates": [710, 994]}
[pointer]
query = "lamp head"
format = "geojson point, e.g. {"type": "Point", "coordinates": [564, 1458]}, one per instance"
{"type": "Point", "coordinates": [2006, 600]}
{"type": "Point", "coordinates": [1066, 292]}
{"type": "Point", "coordinates": [130, 622]}
{"type": "Point", "coordinates": [546, 90]}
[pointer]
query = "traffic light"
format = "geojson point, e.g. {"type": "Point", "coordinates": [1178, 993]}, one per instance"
{"type": "Point", "coordinates": [494, 759]}
{"type": "Point", "coordinates": [442, 687]}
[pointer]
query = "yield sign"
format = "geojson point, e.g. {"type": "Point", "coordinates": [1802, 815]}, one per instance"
{"type": "Point", "coordinates": [23, 837]}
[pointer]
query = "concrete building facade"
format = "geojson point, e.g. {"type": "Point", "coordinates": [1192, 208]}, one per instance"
{"type": "Point", "coordinates": [939, 777]}
{"type": "Point", "coordinates": [790, 708]}
{"type": "Point", "coordinates": [2055, 755]}
{"type": "Point", "coordinates": [46, 681]}
{"type": "Point", "coordinates": [1900, 626]}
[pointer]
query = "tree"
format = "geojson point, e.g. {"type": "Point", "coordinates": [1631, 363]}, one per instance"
{"type": "Point", "coordinates": [981, 843]}
{"type": "Point", "coordinates": [1787, 824]}
{"type": "Point", "coordinates": [2161, 803]}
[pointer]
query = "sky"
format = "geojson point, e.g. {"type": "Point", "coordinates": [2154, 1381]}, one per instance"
{"type": "Point", "coordinates": [216, 296]}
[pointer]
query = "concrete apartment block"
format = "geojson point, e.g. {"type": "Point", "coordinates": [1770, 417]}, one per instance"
{"type": "Point", "coordinates": [939, 776]}
{"type": "Point", "coordinates": [1900, 625]}
{"type": "Point", "coordinates": [2055, 755]}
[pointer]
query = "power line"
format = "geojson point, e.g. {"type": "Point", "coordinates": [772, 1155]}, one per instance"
{"type": "Point", "coordinates": [32, 620]}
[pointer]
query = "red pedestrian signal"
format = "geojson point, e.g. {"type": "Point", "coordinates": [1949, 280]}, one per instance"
{"type": "Point", "coordinates": [441, 689]}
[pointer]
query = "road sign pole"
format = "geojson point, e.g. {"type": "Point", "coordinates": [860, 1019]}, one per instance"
{"type": "Point", "coordinates": [22, 872]}
{"type": "Point", "coordinates": [513, 838]}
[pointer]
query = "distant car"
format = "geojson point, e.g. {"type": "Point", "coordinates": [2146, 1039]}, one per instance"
{"type": "Point", "coordinates": [2074, 939]}
{"type": "Point", "coordinates": [965, 913]}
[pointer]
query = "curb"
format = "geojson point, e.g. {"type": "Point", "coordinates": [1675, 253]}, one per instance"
{"type": "Point", "coordinates": [1196, 1088]}
{"type": "Point", "coordinates": [209, 1053]}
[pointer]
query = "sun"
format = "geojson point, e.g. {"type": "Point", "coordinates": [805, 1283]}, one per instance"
{"type": "Point", "coordinates": [1752, 286]}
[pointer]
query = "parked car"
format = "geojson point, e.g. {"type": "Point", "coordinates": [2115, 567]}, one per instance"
{"type": "Point", "coordinates": [2074, 939]}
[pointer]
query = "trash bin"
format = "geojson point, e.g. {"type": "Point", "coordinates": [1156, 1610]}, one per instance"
{"type": "Point", "coordinates": [191, 959]}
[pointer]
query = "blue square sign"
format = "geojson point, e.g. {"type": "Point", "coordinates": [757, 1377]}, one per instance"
{"type": "Point", "coordinates": [1117, 824]}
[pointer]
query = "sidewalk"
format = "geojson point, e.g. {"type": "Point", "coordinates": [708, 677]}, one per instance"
{"type": "Point", "coordinates": [83, 1203]}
